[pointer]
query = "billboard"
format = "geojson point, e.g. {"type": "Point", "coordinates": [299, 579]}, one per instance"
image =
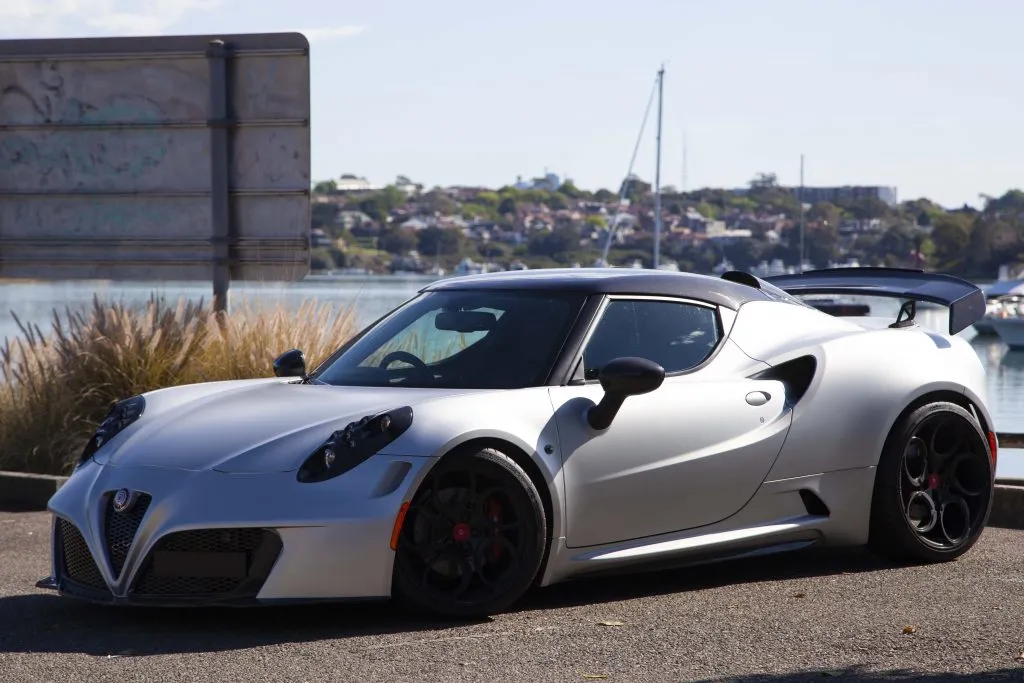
{"type": "Point", "coordinates": [155, 158]}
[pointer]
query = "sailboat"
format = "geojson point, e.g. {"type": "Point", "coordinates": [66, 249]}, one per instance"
{"type": "Point", "coordinates": [602, 262]}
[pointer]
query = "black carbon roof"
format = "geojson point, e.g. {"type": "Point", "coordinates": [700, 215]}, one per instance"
{"type": "Point", "coordinates": [610, 281]}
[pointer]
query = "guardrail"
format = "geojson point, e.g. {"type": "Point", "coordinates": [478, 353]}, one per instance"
{"type": "Point", "coordinates": [1010, 440]}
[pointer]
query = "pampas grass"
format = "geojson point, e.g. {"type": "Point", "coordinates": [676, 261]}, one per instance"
{"type": "Point", "coordinates": [54, 388]}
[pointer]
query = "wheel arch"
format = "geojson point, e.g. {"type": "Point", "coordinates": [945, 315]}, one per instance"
{"type": "Point", "coordinates": [948, 395]}
{"type": "Point", "coordinates": [533, 471]}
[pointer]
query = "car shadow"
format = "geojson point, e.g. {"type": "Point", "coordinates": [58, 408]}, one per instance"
{"type": "Point", "coordinates": [809, 563]}
{"type": "Point", "coordinates": [862, 675]}
{"type": "Point", "coordinates": [51, 624]}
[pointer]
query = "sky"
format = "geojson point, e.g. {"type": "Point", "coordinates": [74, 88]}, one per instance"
{"type": "Point", "coordinates": [923, 95]}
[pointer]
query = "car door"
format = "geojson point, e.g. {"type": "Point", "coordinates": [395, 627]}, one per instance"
{"type": "Point", "coordinates": [688, 454]}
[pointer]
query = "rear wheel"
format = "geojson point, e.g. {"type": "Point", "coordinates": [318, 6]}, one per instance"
{"type": "Point", "coordinates": [933, 486]}
{"type": "Point", "coordinates": [473, 538]}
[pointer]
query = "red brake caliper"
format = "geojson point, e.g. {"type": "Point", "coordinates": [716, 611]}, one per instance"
{"type": "Point", "coordinates": [494, 516]}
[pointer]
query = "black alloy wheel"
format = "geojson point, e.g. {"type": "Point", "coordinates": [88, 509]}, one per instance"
{"type": "Point", "coordinates": [473, 538]}
{"type": "Point", "coordinates": [933, 488]}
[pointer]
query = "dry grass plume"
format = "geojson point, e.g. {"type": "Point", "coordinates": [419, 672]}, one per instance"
{"type": "Point", "coordinates": [55, 387]}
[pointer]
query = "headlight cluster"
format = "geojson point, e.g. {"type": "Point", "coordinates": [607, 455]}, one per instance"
{"type": "Point", "coordinates": [121, 414]}
{"type": "Point", "coordinates": [357, 442]}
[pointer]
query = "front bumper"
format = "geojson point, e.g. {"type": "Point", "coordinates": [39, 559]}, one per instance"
{"type": "Point", "coordinates": [204, 537]}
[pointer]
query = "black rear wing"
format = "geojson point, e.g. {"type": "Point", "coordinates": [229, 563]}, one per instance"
{"type": "Point", "coordinates": [966, 302]}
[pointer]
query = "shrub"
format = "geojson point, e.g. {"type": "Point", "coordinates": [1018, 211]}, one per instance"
{"type": "Point", "coordinates": [55, 388]}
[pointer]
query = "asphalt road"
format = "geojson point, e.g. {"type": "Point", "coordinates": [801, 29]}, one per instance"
{"type": "Point", "coordinates": [840, 615]}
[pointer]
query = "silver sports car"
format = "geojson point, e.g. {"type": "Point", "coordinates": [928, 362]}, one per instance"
{"type": "Point", "coordinates": [508, 430]}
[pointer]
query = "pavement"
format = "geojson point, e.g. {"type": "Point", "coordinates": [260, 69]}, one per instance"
{"type": "Point", "coordinates": [836, 615]}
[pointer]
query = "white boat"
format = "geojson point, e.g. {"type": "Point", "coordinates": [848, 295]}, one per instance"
{"type": "Point", "coordinates": [1008, 322]}
{"type": "Point", "coordinates": [1010, 331]}
{"type": "Point", "coordinates": [995, 294]}
{"type": "Point", "coordinates": [998, 307]}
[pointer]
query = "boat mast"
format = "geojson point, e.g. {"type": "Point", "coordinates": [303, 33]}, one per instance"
{"type": "Point", "coordinates": [657, 175]}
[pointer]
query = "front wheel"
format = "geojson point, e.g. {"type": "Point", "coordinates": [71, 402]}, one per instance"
{"type": "Point", "coordinates": [933, 486]}
{"type": "Point", "coordinates": [473, 538]}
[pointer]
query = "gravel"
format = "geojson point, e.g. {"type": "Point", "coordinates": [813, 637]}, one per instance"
{"type": "Point", "coordinates": [807, 616]}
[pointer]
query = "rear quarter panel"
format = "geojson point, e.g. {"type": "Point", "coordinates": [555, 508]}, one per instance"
{"type": "Point", "coordinates": [864, 380]}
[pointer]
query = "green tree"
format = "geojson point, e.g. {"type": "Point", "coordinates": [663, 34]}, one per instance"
{"type": "Point", "coordinates": [825, 213]}
{"type": "Point", "coordinates": [396, 240]}
{"type": "Point", "coordinates": [436, 240]}
{"type": "Point", "coordinates": [557, 244]}
{"type": "Point", "coordinates": [951, 235]}
{"type": "Point", "coordinates": [507, 206]}
{"type": "Point", "coordinates": [634, 189]}
{"type": "Point", "coordinates": [488, 199]}
{"type": "Point", "coordinates": [556, 201]}
{"type": "Point", "coordinates": [570, 190]}
{"type": "Point", "coordinates": [764, 180]}
{"type": "Point", "coordinates": [324, 216]}
{"type": "Point", "coordinates": [707, 210]}
{"type": "Point", "coordinates": [325, 187]}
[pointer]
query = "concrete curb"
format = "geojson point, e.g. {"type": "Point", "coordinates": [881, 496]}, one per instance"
{"type": "Point", "coordinates": [32, 491]}
{"type": "Point", "coordinates": [22, 491]}
{"type": "Point", "coordinates": [1008, 505]}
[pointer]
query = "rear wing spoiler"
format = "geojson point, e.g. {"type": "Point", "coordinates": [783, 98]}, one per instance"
{"type": "Point", "coordinates": [965, 301]}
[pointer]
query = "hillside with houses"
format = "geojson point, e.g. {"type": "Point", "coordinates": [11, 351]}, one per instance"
{"type": "Point", "coordinates": [548, 221]}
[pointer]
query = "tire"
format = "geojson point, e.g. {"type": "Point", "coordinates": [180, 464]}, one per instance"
{"type": "Point", "coordinates": [473, 539]}
{"type": "Point", "coordinates": [933, 486]}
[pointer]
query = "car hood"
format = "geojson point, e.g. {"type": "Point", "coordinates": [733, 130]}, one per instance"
{"type": "Point", "coordinates": [248, 426]}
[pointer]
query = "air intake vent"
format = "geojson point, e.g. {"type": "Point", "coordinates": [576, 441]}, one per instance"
{"type": "Point", "coordinates": [76, 560]}
{"type": "Point", "coordinates": [815, 505]}
{"type": "Point", "coordinates": [796, 374]}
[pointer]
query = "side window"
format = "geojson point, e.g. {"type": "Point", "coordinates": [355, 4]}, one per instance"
{"type": "Point", "coordinates": [678, 336]}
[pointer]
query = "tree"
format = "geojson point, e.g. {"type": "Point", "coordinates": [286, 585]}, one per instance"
{"type": "Point", "coordinates": [951, 234]}
{"type": "Point", "coordinates": [570, 190]}
{"type": "Point", "coordinates": [825, 213]}
{"type": "Point", "coordinates": [707, 211]}
{"type": "Point", "coordinates": [555, 244]}
{"type": "Point", "coordinates": [764, 180]}
{"type": "Point", "coordinates": [436, 240]}
{"type": "Point", "coordinates": [488, 199]}
{"type": "Point", "coordinates": [507, 206]}
{"type": "Point", "coordinates": [397, 240]}
{"type": "Point", "coordinates": [634, 189]}
{"type": "Point", "coordinates": [324, 216]}
{"type": "Point", "coordinates": [822, 244]}
{"type": "Point", "coordinates": [556, 201]}
{"type": "Point", "coordinates": [325, 187]}
{"type": "Point", "coordinates": [867, 208]}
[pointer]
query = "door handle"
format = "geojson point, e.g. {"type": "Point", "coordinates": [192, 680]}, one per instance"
{"type": "Point", "coordinates": [758, 398]}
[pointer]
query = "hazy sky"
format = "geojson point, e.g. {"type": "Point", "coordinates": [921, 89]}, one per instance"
{"type": "Point", "coordinates": [925, 95]}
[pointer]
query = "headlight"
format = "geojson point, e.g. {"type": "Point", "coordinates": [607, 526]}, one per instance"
{"type": "Point", "coordinates": [121, 414]}
{"type": "Point", "coordinates": [356, 443]}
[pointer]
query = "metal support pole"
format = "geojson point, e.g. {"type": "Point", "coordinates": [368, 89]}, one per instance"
{"type": "Point", "coordinates": [800, 199]}
{"type": "Point", "coordinates": [657, 176]}
{"type": "Point", "coordinates": [220, 198]}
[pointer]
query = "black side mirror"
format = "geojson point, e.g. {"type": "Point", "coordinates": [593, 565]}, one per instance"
{"type": "Point", "coordinates": [290, 364]}
{"type": "Point", "coordinates": [620, 379]}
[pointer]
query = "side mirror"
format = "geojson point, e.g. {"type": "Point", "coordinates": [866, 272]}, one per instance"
{"type": "Point", "coordinates": [290, 364]}
{"type": "Point", "coordinates": [620, 379]}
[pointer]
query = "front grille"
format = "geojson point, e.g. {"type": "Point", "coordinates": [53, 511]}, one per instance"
{"type": "Point", "coordinates": [78, 563]}
{"type": "Point", "coordinates": [210, 562]}
{"type": "Point", "coordinates": [120, 529]}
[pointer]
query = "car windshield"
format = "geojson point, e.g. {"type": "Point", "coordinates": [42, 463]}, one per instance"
{"type": "Point", "coordinates": [461, 339]}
